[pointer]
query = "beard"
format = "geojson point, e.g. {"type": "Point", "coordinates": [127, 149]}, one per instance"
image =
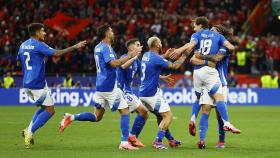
{"type": "Point", "coordinates": [112, 39]}
{"type": "Point", "coordinates": [160, 51]}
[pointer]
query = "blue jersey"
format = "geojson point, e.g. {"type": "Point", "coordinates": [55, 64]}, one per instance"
{"type": "Point", "coordinates": [125, 76]}
{"type": "Point", "coordinates": [207, 42]}
{"type": "Point", "coordinates": [151, 67]}
{"type": "Point", "coordinates": [106, 74]}
{"type": "Point", "coordinates": [222, 66]}
{"type": "Point", "coordinates": [32, 55]}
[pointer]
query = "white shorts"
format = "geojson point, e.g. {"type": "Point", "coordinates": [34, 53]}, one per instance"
{"type": "Point", "coordinates": [156, 103]}
{"type": "Point", "coordinates": [207, 77]}
{"type": "Point", "coordinates": [205, 98]}
{"type": "Point", "coordinates": [115, 99]}
{"type": "Point", "coordinates": [41, 96]}
{"type": "Point", "coordinates": [133, 101]}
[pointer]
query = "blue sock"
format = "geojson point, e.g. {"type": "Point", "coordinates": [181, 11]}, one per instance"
{"type": "Point", "coordinates": [35, 116]}
{"type": "Point", "coordinates": [222, 133]}
{"type": "Point", "coordinates": [160, 135]}
{"type": "Point", "coordinates": [168, 135]}
{"type": "Point", "coordinates": [221, 107]}
{"type": "Point", "coordinates": [138, 125]}
{"type": "Point", "coordinates": [203, 126]}
{"type": "Point", "coordinates": [195, 109]}
{"type": "Point", "coordinates": [86, 116]}
{"type": "Point", "coordinates": [125, 127]}
{"type": "Point", "coordinates": [42, 118]}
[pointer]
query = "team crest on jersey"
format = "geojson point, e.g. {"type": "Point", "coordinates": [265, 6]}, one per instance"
{"type": "Point", "coordinates": [97, 49]}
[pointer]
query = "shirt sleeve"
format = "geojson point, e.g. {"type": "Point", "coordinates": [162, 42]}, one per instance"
{"type": "Point", "coordinates": [108, 54]}
{"type": "Point", "coordinates": [222, 39]}
{"type": "Point", "coordinates": [43, 48]}
{"type": "Point", "coordinates": [223, 50]}
{"type": "Point", "coordinates": [195, 38]}
{"type": "Point", "coordinates": [160, 61]}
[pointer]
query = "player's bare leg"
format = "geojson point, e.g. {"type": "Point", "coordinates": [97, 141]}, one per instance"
{"type": "Point", "coordinates": [162, 128]}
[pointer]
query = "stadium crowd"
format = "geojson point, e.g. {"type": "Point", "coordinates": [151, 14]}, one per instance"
{"type": "Point", "coordinates": [168, 19]}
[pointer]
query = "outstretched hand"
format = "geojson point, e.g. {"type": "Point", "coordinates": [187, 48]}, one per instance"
{"type": "Point", "coordinates": [167, 53]}
{"type": "Point", "coordinates": [80, 44]}
{"type": "Point", "coordinates": [167, 79]}
{"type": "Point", "coordinates": [174, 54]}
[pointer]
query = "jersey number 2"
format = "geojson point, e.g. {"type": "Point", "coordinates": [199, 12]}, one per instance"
{"type": "Point", "coordinates": [28, 67]}
{"type": "Point", "coordinates": [97, 63]}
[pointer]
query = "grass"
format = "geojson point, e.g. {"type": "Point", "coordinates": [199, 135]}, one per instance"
{"type": "Point", "coordinates": [259, 138]}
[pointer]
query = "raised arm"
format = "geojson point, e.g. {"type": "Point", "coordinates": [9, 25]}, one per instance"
{"type": "Point", "coordinates": [128, 63]}
{"type": "Point", "coordinates": [69, 49]}
{"type": "Point", "coordinates": [185, 49]}
{"type": "Point", "coordinates": [177, 63]}
{"type": "Point", "coordinates": [119, 62]}
{"type": "Point", "coordinates": [229, 46]}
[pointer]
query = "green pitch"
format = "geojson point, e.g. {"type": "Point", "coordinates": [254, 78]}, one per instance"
{"type": "Point", "coordinates": [259, 125]}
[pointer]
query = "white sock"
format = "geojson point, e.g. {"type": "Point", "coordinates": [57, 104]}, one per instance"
{"type": "Point", "coordinates": [72, 117]}
{"type": "Point", "coordinates": [124, 142]}
{"type": "Point", "coordinates": [193, 118]}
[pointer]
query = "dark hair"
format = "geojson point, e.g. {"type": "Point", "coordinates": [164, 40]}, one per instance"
{"type": "Point", "coordinates": [101, 31]}
{"type": "Point", "coordinates": [227, 32]}
{"type": "Point", "coordinates": [131, 41]}
{"type": "Point", "coordinates": [34, 27]}
{"type": "Point", "coordinates": [203, 21]}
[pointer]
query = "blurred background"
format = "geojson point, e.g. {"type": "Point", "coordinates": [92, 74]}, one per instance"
{"type": "Point", "coordinates": [256, 24]}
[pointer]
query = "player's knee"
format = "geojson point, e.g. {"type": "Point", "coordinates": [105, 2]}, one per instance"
{"type": "Point", "coordinates": [99, 118]}
{"type": "Point", "coordinates": [167, 116]}
{"type": "Point", "coordinates": [143, 112]}
{"type": "Point", "coordinates": [206, 109]}
{"type": "Point", "coordinates": [218, 97]}
{"type": "Point", "coordinates": [124, 111]}
{"type": "Point", "coordinates": [50, 109]}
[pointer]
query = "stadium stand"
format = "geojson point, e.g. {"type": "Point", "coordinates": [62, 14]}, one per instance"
{"type": "Point", "coordinates": [168, 19]}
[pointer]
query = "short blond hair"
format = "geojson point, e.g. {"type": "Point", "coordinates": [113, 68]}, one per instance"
{"type": "Point", "coordinates": [152, 40]}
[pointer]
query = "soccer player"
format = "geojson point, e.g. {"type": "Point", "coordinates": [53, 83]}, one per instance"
{"type": "Point", "coordinates": [222, 60]}
{"type": "Point", "coordinates": [150, 93]}
{"type": "Point", "coordinates": [208, 42]}
{"type": "Point", "coordinates": [31, 55]}
{"type": "Point", "coordinates": [107, 93]}
{"type": "Point", "coordinates": [126, 73]}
